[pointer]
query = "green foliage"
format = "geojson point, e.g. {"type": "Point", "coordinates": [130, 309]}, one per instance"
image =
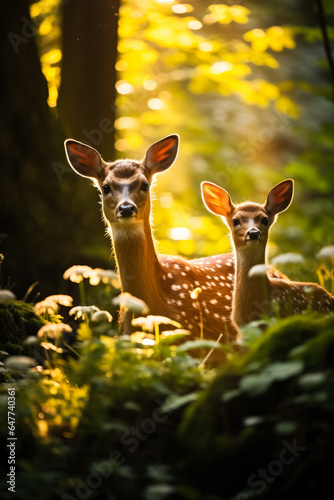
{"type": "Point", "coordinates": [145, 422]}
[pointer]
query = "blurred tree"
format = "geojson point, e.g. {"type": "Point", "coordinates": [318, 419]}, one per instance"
{"type": "Point", "coordinates": [86, 101]}
{"type": "Point", "coordinates": [38, 214]}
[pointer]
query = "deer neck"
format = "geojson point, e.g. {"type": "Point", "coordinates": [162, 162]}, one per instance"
{"type": "Point", "coordinates": [137, 261]}
{"type": "Point", "coordinates": [250, 293]}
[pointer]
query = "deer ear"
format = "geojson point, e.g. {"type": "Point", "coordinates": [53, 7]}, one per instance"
{"type": "Point", "coordinates": [84, 160]}
{"type": "Point", "coordinates": [162, 154]}
{"type": "Point", "coordinates": [279, 198]}
{"type": "Point", "coordinates": [216, 199]}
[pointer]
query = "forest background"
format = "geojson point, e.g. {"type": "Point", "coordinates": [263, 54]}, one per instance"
{"type": "Point", "coordinates": [248, 86]}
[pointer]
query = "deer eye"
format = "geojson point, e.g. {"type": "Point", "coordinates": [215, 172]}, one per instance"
{"type": "Point", "coordinates": [145, 186]}
{"type": "Point", "coordinates": [265, 221]}
{"type": "Point", "coordinates": [235, 222]}
{"type": "Point", "coordinates": [106, 189]}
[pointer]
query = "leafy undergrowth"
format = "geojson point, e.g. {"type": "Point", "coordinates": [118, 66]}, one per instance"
{"type": "Point", "coordinates": [125, 420]}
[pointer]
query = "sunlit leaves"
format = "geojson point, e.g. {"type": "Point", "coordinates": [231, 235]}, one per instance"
{"type": "Point", "coordinates": [45, 16]}
{"type": "Point", "coordinates": [225, 14]}
{"type": "Point", "coordinates": [166, 46]}
{"type": "Point", "coordinates": [275, 38]}
{"type": "Point", "coordinates": [287, 106]}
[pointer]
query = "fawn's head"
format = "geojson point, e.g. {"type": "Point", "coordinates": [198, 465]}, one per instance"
{"type": "Point", "coordinates": [249, 222]}
{"type": "Point", "coordinates": [124, 184]}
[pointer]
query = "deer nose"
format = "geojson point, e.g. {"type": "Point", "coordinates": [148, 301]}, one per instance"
{"type": "Point", "coordinates": [127, 210]}
{"type": "Point", "coordinates": [253, 234]}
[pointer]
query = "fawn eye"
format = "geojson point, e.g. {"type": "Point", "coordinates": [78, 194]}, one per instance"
{"type": "Point", "coordinates": [235, 222]}
{"type": "Point", "coordinates": [145, 186]}
{"type": "Point", "coordinates": [265, 221]}
{"type": "Point", "coordinates": [106, 189]}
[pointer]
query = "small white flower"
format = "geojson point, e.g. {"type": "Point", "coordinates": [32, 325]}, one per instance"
{"type": "Point", "coordinates": [101, 317]}
{"type": "Point", "coordinates": [106, 276]}
{"type": "Point", "coordinates": [7, 295]}
{"type": "Point", "coordinates": [77, 273]}
{"type": "Point", "coordinates": [31, 340]}
{"type": "Point", "coordinates": [150, 321]}
{"type": "Point", "coordinates": [54, 330]}
{"type": "Point", "coordinates": [288, 258]}
{"type": "Point", "coordinates": [46, 306]}
{"type": "Point", "coordinates": [48, 345]}
{"type": "Point", "coordinates": [21, 363]}
{"type": "Point", "coordinates": [259, 270]}
{"type": "Point", "coordinates": [63, 300]}
{"type": "Point", "coordinates": [326, 253]}
{"type": "Point", "coordinates": [83, 311]}
{"type": "Point", "coordinates": [130, 303]}
{"type": "Point", "coordinates": [50, 304]}
{"type": "Point", "coordinates": [195, 293]}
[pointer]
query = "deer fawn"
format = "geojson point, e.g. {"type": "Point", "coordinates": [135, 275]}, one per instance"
{"type": "Point", "coordinates": [255, 294]}
{"type": "Point", "coordinates": [164, 283]}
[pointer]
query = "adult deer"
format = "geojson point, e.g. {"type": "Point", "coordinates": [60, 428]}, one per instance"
{"type": "Point", "coordinates": [164, 283]}
{"type": "Point", "coordinates": [255, 293]}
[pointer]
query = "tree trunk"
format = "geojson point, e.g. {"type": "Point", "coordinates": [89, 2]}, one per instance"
{"type": "Point", "coordinates": [87, 93]}
{"type": "Point", "coordinates": [43, 226]}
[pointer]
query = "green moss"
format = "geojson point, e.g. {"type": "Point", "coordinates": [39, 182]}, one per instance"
{"type": "Point", "coordinates": [17, 321]}
{"type": "Point", "coordinates": [280, 339]}
{"type": "Point", "coordinates": [318, 352]}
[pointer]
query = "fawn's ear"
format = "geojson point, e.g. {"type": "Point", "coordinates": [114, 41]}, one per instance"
{"type": "Point", "coordinates": [84, 160]}
{"type": "Point", "coordinates": [162, 154]}
{"type": "Point", "coordinates": [216, 199]}
{"type": "Point", "coordinates": [279, 198]}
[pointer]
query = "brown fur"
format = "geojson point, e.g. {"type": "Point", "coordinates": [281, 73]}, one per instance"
{"type": "Point", "coordinates": [257, 296]}
{"type": "Point", "coordinates": [163, 282]}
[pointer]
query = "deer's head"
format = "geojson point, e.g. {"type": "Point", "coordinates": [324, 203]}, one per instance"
{"type": "Point", "coordinates": [249, 222]}
{"type": "Point", "coordinates": [124, 184]}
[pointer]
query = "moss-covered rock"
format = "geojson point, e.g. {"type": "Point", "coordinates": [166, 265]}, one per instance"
{"type": "Point", "coordinates": [17, 322]}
